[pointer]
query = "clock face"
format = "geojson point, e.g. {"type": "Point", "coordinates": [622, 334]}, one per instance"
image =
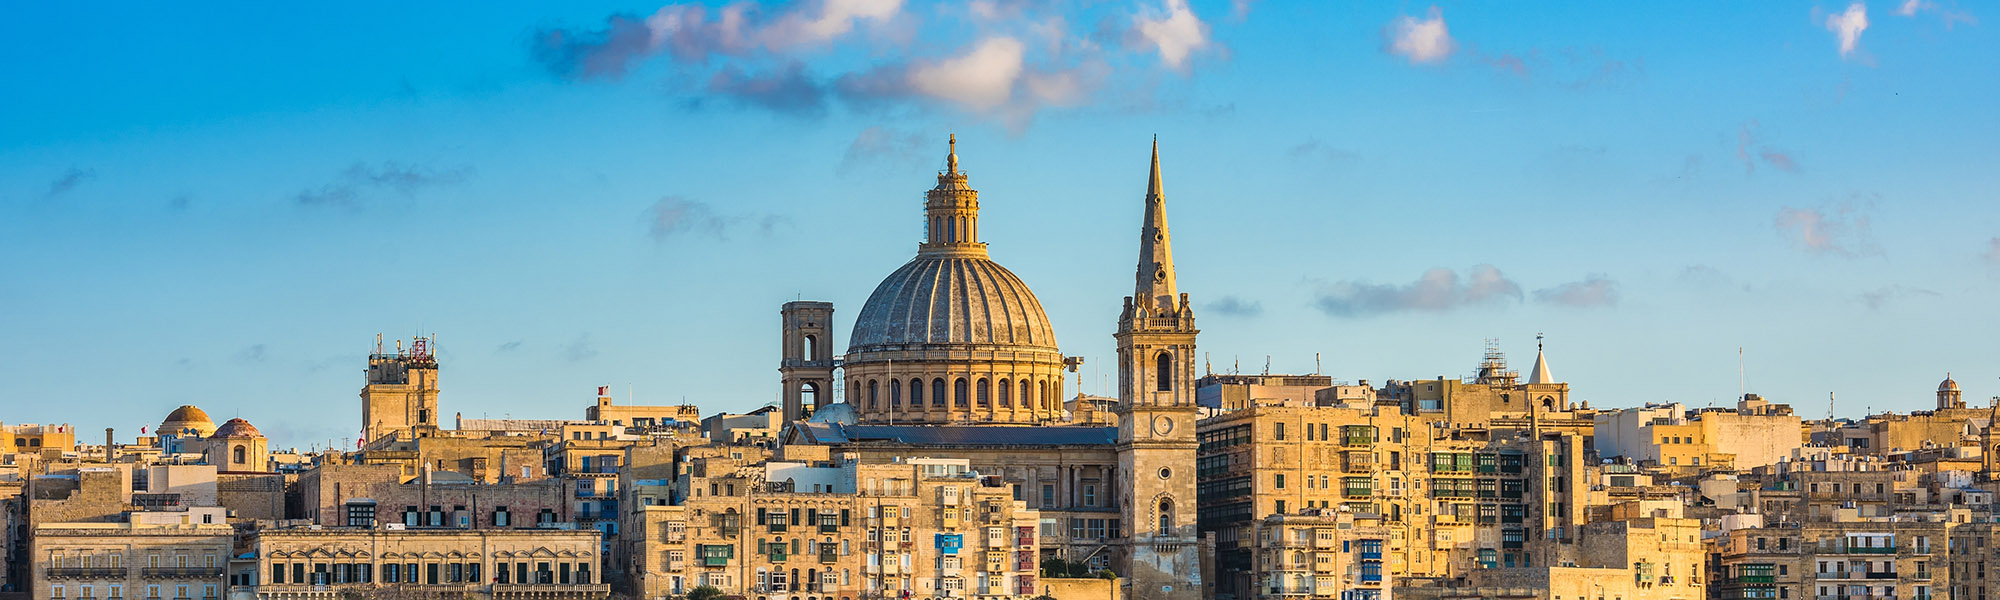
{"type": "Point", "coordinates": [1163, 425]}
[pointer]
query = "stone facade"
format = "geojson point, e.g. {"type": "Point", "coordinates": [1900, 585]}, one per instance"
{"type": "Point", "coordinates": [847, 530]}
{"type": "Point", "coordinates": [130, 560]}
{"type": "Point", "coordinates": [476, 563]}
{"type": "Point", "coordinates": [365, 495]}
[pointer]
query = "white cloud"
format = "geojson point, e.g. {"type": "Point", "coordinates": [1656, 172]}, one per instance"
{"type": "Point", "coordinates": [1848, 25]}
{"type": "Point", "coordinates": [1437, 290]}
{"type": "Point", "coordinates": [1909, 7]}
{"type": "Point", "coordinates": [1594, 291]}
{"type": "Point", "coordinates": [1177, 34]}
{"type": "Point", "coordinates": [1420, 40]}
{"type": "Point", "coordinates": [835, 18]}
{"type": "Point", "coordinates": [981, 80]}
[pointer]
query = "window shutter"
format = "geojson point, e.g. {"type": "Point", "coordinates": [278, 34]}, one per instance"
{"type": "Point", "coordinates": [760, 516]}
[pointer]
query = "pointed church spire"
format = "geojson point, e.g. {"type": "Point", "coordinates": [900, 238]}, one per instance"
{"type": "Point", "coordinates": [1153, 186]}
{"type": "Point", "coordinates": [1541, 372]}
{"type": "Point", "coordinates": [1155, 285]}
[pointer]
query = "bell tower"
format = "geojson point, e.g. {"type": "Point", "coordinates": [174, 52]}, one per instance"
{"type": "Point", "coordinates": [1156, 418]}
{"type": "Point", "coordinates": [807, 366]}
{"type": "Point", "coordinates": [401, 393]}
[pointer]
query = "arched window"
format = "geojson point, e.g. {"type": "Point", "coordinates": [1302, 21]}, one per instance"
{"type": "Point", "coordinates": [895, 392]}
{"type": "Point", "coordinates": [937, 391]}
{"type": "Point", "coordinates": [985, 393]}
{"type": "Point", "coordinates": [1165, 372]}
{"type": "Point", "coordinates": [958, 392]}
{"type": "Point", "coordinates": [951, 230]}
{"type": "Point", "coordinates": [1166, 515]}
{"type": "Point", "coordinates": [872, 388]}
{"type": "Point", "coordinates": [1006, 399]}
{"type": "Point", "coordinates": [1042, 392]}
{"type": "Point", "coordinates": [917, 392]}
{"type": "Point", "coordinates": [239, 454]}
{"type": "Point", "coordinates": [809, 395]}
{"type": "Point", "coordinates": [1027, 394]}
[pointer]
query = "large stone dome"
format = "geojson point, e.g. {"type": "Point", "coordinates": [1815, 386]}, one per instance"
{"type": "Point", "coordinates": [187, 418]}
{"type": "Point", "coordinates": [951, 336]}
{"type": "Point", "coordinates": [951, 300]}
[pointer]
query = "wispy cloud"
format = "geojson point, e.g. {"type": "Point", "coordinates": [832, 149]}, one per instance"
{"type": "Point", "coordinates": [788, 89]}
{"type": "Point", "coordinates": [1313, 148]}
{"type": "Point", "coordinates": [879, 143]}
{"type": "Point", "coordinates": [1889, 294]}
{"type": "Point", "coordinates": [1951, 16]}
{"type": "Point", "coordinates": [349, 188]}
{"type": "Point", "coordinates": [1022, 57]}
{"type": "Point", "coordinates": [255, 353]}
{"type": "Point", "coordinates": [1421, 41]}
{"type": "Point", "coordinates": [508, 347]}
{"type": "Point", "coordinates": [1847, 26]}
{"type": "Point", "coordinates": [674, 216]}
{"type": "Point", "coordinates": [1840, 232]}
{"type": "Point", "coordinates": [1750, 149]}
{"type": "Point", "coordinates": [1437, 290]}
{"type": "Point", "coordinates": [1234, 306]}
{"type": "Point", "coordinates": [69, 180]}
{"type": "Point", "coordinates": [579, 349]}
{"type": "Point", "coordinates": [1593, 291]}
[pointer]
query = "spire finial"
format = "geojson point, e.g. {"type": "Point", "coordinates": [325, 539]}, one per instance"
{"type": "Point", "coordinates": [1538, 341]}
{"type": "Point", "coordinates": [951, 157]}
{"type": "Point", "coordinates": [1153, 185]}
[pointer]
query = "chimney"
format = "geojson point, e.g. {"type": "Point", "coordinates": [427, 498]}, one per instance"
{"type": "Point", "coordinates": [109, 454]}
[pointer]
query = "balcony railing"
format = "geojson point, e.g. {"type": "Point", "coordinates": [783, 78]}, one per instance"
{"type": "Point", "coordinates": [85, 572]}
{"type": "Point", "coordinates": [1871, 550]}
{"type": "Point", "coordinates": [181, 572]}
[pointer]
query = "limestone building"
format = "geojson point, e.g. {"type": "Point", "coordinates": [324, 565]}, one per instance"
{"type": "Point", "coordinates": [822, 528]}
{"type": "Point", "coordinates": [953, 356]}
{"type": "Point", "coordinates": [136, 558]}
{"type": "Point", "coordinates": [302, 562]}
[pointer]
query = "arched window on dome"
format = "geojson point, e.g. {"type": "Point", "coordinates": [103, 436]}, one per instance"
{"type": "Point", "coordinates": [937, 392]}
{"type": "Point", "coordinates": [985, 392]}
{"type": "Point", "coordinates": [1042, 392]}
{"type": "Point", "coordinates": [895, 392]}
{"type": "Point", "coordinates": [950, 230]}
{"type": "Point", "coordinates": [1164, 372]}
{"type": "Point", "coordinates": [873, 387]}
{"type": "Point", "coordinates": [916, 392]}
{"type": "Point", "coordinates": [238, 455]}
{"type": "Point", "coordinates": [958, 392]}
{"type": "Point", "coordinates": [1004, 394]}
{"type": "Point", "coordinates": [1027, 394]}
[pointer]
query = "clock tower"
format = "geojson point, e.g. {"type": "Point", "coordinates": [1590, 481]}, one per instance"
{"type": "Point", "coordinates": [1156, 418]}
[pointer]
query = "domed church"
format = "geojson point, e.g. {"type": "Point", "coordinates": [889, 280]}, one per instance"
{"type": "Point", "coordinates": [952, 356]}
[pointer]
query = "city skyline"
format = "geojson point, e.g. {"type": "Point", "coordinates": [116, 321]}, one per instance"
{"type": "Point", "coordinates": [228, 219]}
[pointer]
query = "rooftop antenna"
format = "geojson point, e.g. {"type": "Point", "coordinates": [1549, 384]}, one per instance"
{"type": "Point", "coordinates": [1267, 364]}
{"type": "Point", "coordinates": [1315, 363]}
{"type": "Point", "coordinates": [1742, 390]}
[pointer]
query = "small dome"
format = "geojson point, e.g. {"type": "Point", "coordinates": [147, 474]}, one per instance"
{"type": "Point", "coordinates": [185, 418]}
{"type": "Point", "coordinates": [1948, 385]}
{"type": "Point", "coordinates": [237, 428]}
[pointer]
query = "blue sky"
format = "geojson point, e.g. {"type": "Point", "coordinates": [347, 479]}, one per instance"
{"type": "Point", "coordinates": [222, 205]}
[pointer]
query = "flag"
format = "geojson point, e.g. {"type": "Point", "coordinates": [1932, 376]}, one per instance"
{"type": "Point", "coordinates": [142, 429]}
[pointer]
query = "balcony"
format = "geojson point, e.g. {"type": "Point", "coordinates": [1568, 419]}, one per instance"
{"type": "Point", "coordinates": [715, 561]}
{"type": "Point", "coordinates": [829, 528]}
{"type": "Point", "coordinates": [568, 590]}
{"type": "Point", "coordinates": [1371, 555]}
{"type": "Point", "coordinates": [156, 572]}
{"type": "Point", "coordinates": [829, 557]}
{"type": "Point", "coordinates": [1750, 579]}
{"type": "Point", "coordinates": [1870, 550]}
{"type": "Point", "coordinates": [84, 572]}
{"type": "Point", "coordinates": [777, 557]}
{"type": "Point", "coordinates": [1879, 575]}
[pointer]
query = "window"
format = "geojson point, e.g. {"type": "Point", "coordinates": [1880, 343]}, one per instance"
{"type": "Point", "coordinates": [237, 455]}
{"type": "Point", "coordinates": [1164, 372]}
{"type": "Point", "coordinates": [501, 518]}
{"type": "Point", "coordinates": [1048, 494]}
{"type": "Point", "coordinates": [361, 514]}
{"type": "Point", "coordinates": [1090, 495]}
{"type": "Point", "coordinates": [958, 392]}
{"type": "Point", "coordinates": [937, 392]}
{"type": "Point", "coordinates": [1279, 482]}
{"type": "Point", "coordinates": [1278, 432]}
{"type": "Point", "coordinates": [56, 591]}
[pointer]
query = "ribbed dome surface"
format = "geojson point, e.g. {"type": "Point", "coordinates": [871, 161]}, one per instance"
{"type": "Point", "coordinates": [952, 300]}
{"type": "Point", "coordinates": [237, 428]}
